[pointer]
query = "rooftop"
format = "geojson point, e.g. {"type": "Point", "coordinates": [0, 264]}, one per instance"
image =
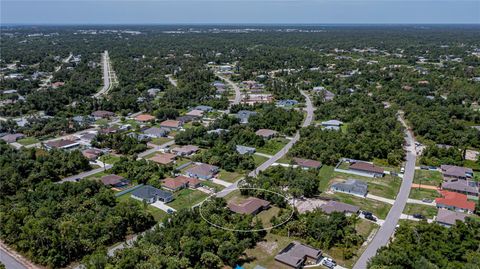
{"type": "Point", "coordinates": [449, 217]}
{"type": "Point", "coordinates": [144, 117]}
{"type": "Point", "coordinates": [364, 166]}
{"type": "Point", "coordinates": [170, 123]}
{"type": "Point", "coordinates": [295, 253]}
{"type": "Point", "coordinates": [163, 158]}
{"type": "Point", "coordinates": [112, 179]}
{"type": "Point", "coordinates": [307, 163]}
{"type": "Point", "coordinates": [249, 206]}
{"type": "Point", "coordinates": [266, 132]}
{"type": "Point", "coordinates": [455, 199]}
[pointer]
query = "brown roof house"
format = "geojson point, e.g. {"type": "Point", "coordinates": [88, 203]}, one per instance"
{"type": "Point", "coordinates": [102, 114]}
{"type": "Point", "coordinates": [114, 181]}
{"type": "Point", "coordinates": [251, 206]}
{"type": "Point", "coordinates": [307, 163]}
{"type": "Point", "coordinates": [191, 182]}
{"type": "Point", "coordinates": [296, 255]}
{"type": "Point", "coordinates": [202, 171]}
{"type": "Point", "coordinates": [171, 124]}
{"type": "Point", "coordinates": [144, 118]}
{"type": "Point", "coordinates": [266, 133]}
{"type": "Point", "coordinates": [185, 150]}
{"type": "Point", "coordinates": [366, 169]}
{"type": "Point", "coordinates": [164, 158]}
{"type": "Point", "coordinates": [448, 218]}
{"type": "Point", "coordinates": [92, 154]}
{"type": "Point", "coordinates": [61, 144]}
{"type": "Point", "coordinates": [173, 184]}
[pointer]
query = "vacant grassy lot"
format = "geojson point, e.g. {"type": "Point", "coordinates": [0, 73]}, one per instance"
{"type": "Point", "coordinates": [187, 198]}
{"type": "Point", "coordinates": [427, 177]}
{"type": "Point", "coordinates": [229, 176]}
{"type": "Point", "coordinates": [273, 145]}
{"type": "Point", "coordinates": [210, 184]}
{"type": "Point", "coordinates": [160, 140]}
{"type": "Point", "coordinates": [28, 141]}
{"type": "Point", "coordinates": [157, 214]}
{"type": "Point", "coordinates": [418, 193]}
{"type": "Point", "coordinates": [266, 215]}
{"type": "Point", "coordinates": [264, 252]}
{"type": "Point", "coordinates": [427, 211]}
{"type": "Point", "coordinates": [259, 159]}
{"type": "Point", "coordinates": [110, 159]}
{"type": "Point", "coordinates": [98, 175]}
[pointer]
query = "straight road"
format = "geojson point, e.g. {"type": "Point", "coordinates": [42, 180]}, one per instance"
{"type": "Point", "coordinates": [9, 261]}
{"type": "Point", "coordinates": [106, 75]}
{"type": "Point", "coordinates": [238, 93]}
{"type": "Point", "coordinates": [388, 228]}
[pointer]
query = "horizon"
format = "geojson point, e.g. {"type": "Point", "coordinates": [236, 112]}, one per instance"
{"type": "Point", "coordinates": [235, 12]}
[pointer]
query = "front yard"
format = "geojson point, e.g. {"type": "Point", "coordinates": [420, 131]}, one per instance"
{"type": "Point", "coordinates": [229, 176]}
{"type": "Point", "coordinates": [187, 198]}
{"type": "Point", "coordinates": [427, 177]}
{"type": "Point", "coordinates": [273, 145]}
{"type": "Point", "coordinates": [425, 210]}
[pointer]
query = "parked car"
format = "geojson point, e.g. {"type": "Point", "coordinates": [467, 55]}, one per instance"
{"type": "Point", "coordinates": [366, 213]}
{"type": "Point", "coordinates": [371, 217]}
{"type": "Point", "coordinates": [329, 263]}
{"type": "Point", "coordinates": [424, 167]}
{"type": "Point", "coordinates": [402, 170]}
{"type": "Point", "coordinates": [418, 216]}
{"type": "Point", "coordinates": [170, 211]}
{"type": "Point", "coordinates": [425, 200]}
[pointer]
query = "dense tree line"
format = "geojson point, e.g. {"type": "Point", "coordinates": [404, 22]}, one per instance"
{"type": "Point", "coordinates": [226, 157]}
{"type": "Point", "coordinates": [425, 245]}
{"type": "Point", "coordinates": [140, 171]}
{"type": "Point", "coordinates": [119, 142]}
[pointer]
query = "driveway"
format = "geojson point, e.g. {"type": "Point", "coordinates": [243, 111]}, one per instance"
{"type": "Point", "coordinates": [221, 182]}
{"type": "Point", "coordinates": [162, 206]}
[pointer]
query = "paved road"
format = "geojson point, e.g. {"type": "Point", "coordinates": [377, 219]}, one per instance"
{"type": "Point", "coordinates": [388, 228]}
{"type": "Point", "coordinates": [106, 75]}
{"type": "Point", "coordinates": [238, 93]}
{"type": "Point", "coordinates": [9, 261]}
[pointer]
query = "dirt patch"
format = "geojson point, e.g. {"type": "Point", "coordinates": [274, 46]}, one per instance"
{"type": "Point", "coordinates": [471, 155]}
{"type": "Point", "coordinates": [268, 247]}
{"type": "Point", "coordinates": [308, 204]}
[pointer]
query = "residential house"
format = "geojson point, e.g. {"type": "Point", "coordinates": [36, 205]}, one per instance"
{"type": "Point", "coordinates": [368, 169]}
{"type": "Point", "coordinates": [186, 118]}
{"type": "Point", "coordinates": [151, 194]}
{"type": "Point", "coordinates": [173, 184]}
{"type": "Point", "coordinates": [102, 114]}
{"type": "Point", "coordinates": [244, 115]}
{"type": "Point", "coordinates": [287, 103]}
{"type": "Point", "coordinates": [257, 98]}
{"type": "Point", "coordinates": [250, 206]}
{"type": "Point", "coordinates": [83, 120]}
{"type": "Point", "coordinates": [351, 186]}
{"type": "Point", "coordinates": [296, 255]}
{"type": "Point", "coordinates": [195, 113]}
{"type": "Point", "coordinates": [86, 138]}
{"type": "Point", "coordinates": [217, 131]}
{"type": "Point", "coordinates": [171, 124]}
{"type": "Point", "coordinates": [61, 144]}
{"type": "Point", "coordinates": [334, 206]}
{"type": "Point", "coordinates": [455, 201]}
{"type": "Point", "coordinates": [266, 133]}
{"type": "Point", "coordinates": [449, 218]}
{"type": "Point", "coordinates": [108, 130]}
{"type": "Point", "coordinates": [185, 150]}
{"type": "Point", "coordinates": [204, 108]}
{"type": "Point", "coordinates": [468, 187]}
{"type": "Point", "coordinates": [155, 132]}
{"type": "Point", "coordinates": [332, 125]}
{"type": "Point", "coordinates": [327, 95]}
{"type": "Point", "coordinates": [143, 118]}
{"type": "Point", "coordinates": [164, 158]}
{"type": "Point", "coordinates": [245, 150]}
{"type": "Point", "coordinates": [115, 181]}
{"type": "Point", "coordinates": [92, 154]}
{"type": "Point", "coordinates": [10, 138]}
{"type": "Point", "coordinates": [153, 91]}
{"type": "Point", "coordinates": [192, 183]}
{"type": "Point", "coordinates": [202, 171]}
{"type": "Point", "coordinates": [307, 163]}
{"type": "Point", "coordinates": [456, 172]}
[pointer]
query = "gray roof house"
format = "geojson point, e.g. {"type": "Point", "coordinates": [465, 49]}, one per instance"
{"type": "Point", "coordinates": [244, 115]}
{"type": "Point", "coordinates": [286, 103]}
{"type": "Point", "coordinates": [296, 254]}
{"type": "Point", "coordinates": [10, 138]}
{"type": "Point", "coordinates": [155, 132]}
{"type": "Point", "coordinates": [351, 186]}
{"type": "Point", "coordinates": [151, 194]}
{"type": "Point", "coordinates": [332, 124]}
{"type": "Point", "coordinates": [204, 108]}
{"type": "Point", "coordinates": [448, 218]}
{"type": "Point", "coordinates": [458, 172]}
{"type": "Point", "coordinates": [467, 187]}
{"type": "Point", "coordinates": [202, 171]}
{"type": "Point", "coordinates": [245, 150]}
{"type": "Point", "coordinates": [334, 206]}
{"type": "Point", "coordinates": [327, 95]}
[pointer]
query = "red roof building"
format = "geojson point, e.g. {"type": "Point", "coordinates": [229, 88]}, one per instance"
{"type": "Point", "coordinates": [455, 201]}
{"type": "Point", "coordinates": [173, 184]}
{"type": "Point", "coordinates": [144, 118]}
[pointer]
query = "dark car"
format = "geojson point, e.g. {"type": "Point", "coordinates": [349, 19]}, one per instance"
{"type": "Point", "coordinates": [371, 217]}
{"type": "Point", "coordinates": [418, 216]}
{"type": "Point", "coordinates": [170, 211]}
{"type": "Point", "coordinates": [366, 213]}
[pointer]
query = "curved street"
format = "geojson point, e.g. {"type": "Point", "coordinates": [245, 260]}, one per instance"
{"type": "Point", "coordinates": [238, 93]}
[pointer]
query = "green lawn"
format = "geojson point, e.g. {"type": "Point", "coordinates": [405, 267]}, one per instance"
{"type": "Point", "coordinates": [427, 211]}
{"type": "Point", "coordinates": [273, 145]}
{"type": "Point", "coordinates": [110, 159]}
{"type": "Point", "coordinates": [102, 122]}
{"type": "Point", "coordinates": [377, 208]}
{"type": "Point", "coordinates": [160, 140]}
{"type": "Point", "coordinates": [266, 215]}
{"type": "Point", "coordinates": [229, 176]}
{"type": "Point", "coordinates": [28, 141]}
{"type": "Point", "coordinates": [325, 174]}
{"type": "Point", "coordinates": [210, 184]}
{"type": "Point", "coordinates": [186, 198]}
{"type": "Point", "coordinates": [418, 193]}
{"type": "Point", "coordinates": [285, 159]}
{"type": "Point", "coordinates": [259, 159]}
{"type": "Point", "coordinates": [264, 254]}
{"type": "Point", "coordinates": [427, 177]}
{"type": "Point", "coordinates": [98, 175]}
{"type": "Point", "coordinates": [157, 214]}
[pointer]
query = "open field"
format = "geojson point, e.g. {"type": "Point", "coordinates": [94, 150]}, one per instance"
{"type": "Point", "coordinates": [259, 159]}
{"type": "Point", "coordinates": [28, 141]}
{"type": "Point", "coordinates": [229, 176]}
{"type": "Point", "coordinates": [427, 211]}
{"type": "Point", "coordinates": [110, 159]}
{"type": "Point", "coordinates": [427, 177]}
{"type": "Point", "coordinates": [160, 140]}
{"type": "Point", "coordinates": [186, 198]}
{"type": "Point", "coordinates": [157, 214]}
{"type": "Point", "coordinates": [273, 145]}
{"type": "Point", "coordinates": [416, 193]}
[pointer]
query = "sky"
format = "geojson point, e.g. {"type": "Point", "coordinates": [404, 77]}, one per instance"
{"type": "Point", "coordinates": [239, 12]}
